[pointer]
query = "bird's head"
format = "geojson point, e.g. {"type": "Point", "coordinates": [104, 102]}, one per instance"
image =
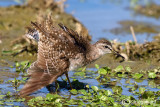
{"type": "Point", "coordinates": [104, 46]}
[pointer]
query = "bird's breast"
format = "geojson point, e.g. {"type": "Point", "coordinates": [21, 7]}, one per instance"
{"type": "Point", "coordinates": [76, 62]}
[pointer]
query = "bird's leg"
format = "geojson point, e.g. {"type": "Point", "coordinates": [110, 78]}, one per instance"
{"type": "Point", "coordinates": [56, 85]}
{"type": "Point", "coordinates": [68, 80]}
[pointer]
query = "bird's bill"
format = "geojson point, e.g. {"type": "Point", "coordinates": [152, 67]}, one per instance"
{"type": "Point", "coordinates": [118, 55]}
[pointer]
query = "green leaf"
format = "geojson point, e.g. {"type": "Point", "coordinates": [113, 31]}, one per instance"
{"type": "Point", "coordinates": [6, 52]}
{"type": "Point", "coordinates": [50, 97]}
{"type": "Point", "coordinates": [117, 89]}
{"type": "Point", "coordinates": [2, 96]}
{"type": "Point", "coordinates": [102, 71]}
{"type": "Point", "coordinates": [84, 69]}
{"type": "Point", "coordinates": [128, 69]}
{"type": "Point", "coordinates": [25, 78]}
{"type": "Point", "coordinates": [17, 64]}
{"type": "Point", "coordinates": [137, 75]}
{"type": "Point", "coordinates": [23, 63]}
{"type": "Point", "coordinates": [79, 73]}
{"type": "Point", "coordinates": [38, 98]}
{"type": "Point", "coordinates": [1, 102]}
{"type": "Point", "coordinates": [152, 75]}
{"type": "Point", "coordinates": [119, 68]}
{"type": "Point", "coordinates": [9, 104]}
{"type": "Point", "coordinates": [107, 69]}
{"type": "Point", "coordinates": [121, 75]}
{"type": "Point", "coordinates": [98, 77]}
{"type": "Point", "coordinates": [141, 90]}
{"type": "Point", "coordinates": [57, 100]}
{"type": "Point", "coordinates": [95, 88]}
{"type": "Point", "coordinates": [74, 91]}
{"type": "Point", "coordinates": [148, 94]}
{"type": "Point", "coordinates": [158, 87]}
{"type": "Point", "coordinates": [97, 66]}
{"type": "Point", "coordinates": [87, 86]}
{"type": "Point", "coordinates": [108, 92]}
{"type": "Point", "coordinates": [103, 98]}
{"type": "Point", "coordinates": [82, 92]}
{"type": "Point", "coordinates": [111, 99]}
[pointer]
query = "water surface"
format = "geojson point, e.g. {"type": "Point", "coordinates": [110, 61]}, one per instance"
{"type": "Point", "coordinates": [100, 16]}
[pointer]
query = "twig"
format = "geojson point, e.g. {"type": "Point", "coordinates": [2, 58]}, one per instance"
{"type": "Point", "coordinates": [23, 50]}
{"type": "Point", "coordinates": [133, 34]}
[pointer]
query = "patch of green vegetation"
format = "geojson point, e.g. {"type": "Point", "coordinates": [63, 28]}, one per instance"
{"type": "Point", "coordinates": [8, 99]}
{"type": "Point", "coordinates": [97, 97]}
{"type": "Point", "coordinates": [137, 75]}
{"type": "Point", "coordinates": [94, 96]}
{"type": "Point", "coordinates": [83, 73]}
{"type": "Point", "coordinates": [121, 71]}
{"type": "Point", "coordinates": [22, 66]}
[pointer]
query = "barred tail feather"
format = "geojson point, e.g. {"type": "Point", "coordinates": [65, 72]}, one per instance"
{"type": "Point", "coordinates": [38, 81]}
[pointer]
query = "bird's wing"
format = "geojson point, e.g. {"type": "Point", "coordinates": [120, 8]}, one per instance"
{"type": "Point", "coordinates": [49, 66]}
{"type": "Point", "coordinates": [79, 40]}
{"type": "Point", "coordinates": [47, 26]}
{"type": "Point", "coordinates": [38, 79]}
{"type": "Point", "coordinates": [54, 51]}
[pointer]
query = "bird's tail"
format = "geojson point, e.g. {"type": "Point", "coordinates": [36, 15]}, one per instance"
{"type": "Point", "coordinates": [38, 79]}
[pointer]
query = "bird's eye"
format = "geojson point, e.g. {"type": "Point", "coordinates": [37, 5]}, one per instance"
{"type": "Point", "coordinates": [106, 46]}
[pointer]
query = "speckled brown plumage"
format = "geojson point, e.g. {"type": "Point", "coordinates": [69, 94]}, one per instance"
{"type": "Point", "coordinates": [59, 51]}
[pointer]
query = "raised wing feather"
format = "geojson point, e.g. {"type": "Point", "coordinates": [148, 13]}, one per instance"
{"type": "Point", "coordinates": [55, 47]}
{"type": "Point", "coordinates": [38, 79]}
{"type": "Point", "coordinates": [79, 40]}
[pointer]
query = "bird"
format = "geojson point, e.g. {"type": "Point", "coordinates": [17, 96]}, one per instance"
{"type": "Point", "coordinates": [60, 50]}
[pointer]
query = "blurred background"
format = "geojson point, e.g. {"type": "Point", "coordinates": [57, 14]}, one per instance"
{"type": "Point", "coordinates": [111, 18]}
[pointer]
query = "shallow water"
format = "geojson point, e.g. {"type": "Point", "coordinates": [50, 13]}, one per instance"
{"type": "Point", "coordinates": [149, 85]}
{"type": "Point", "coordinates": [9, 73]}
{"type": "Point", "coordinates": [100, 17]}
{"type": "Point", "coordinates": [6, 3]}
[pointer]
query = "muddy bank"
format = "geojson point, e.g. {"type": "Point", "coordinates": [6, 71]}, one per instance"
{"type": "Point", "coordinates": [151, 10]}
{"type": "Point", "coordinates": [139, 27]}
{"type": "Point", "coordinates": [136, 51]}
{"type": "Point", "coordinates": [148, 51]}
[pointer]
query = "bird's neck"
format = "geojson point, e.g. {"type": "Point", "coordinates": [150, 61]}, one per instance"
{"type": "Point", "coordinates": [93, 54]}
